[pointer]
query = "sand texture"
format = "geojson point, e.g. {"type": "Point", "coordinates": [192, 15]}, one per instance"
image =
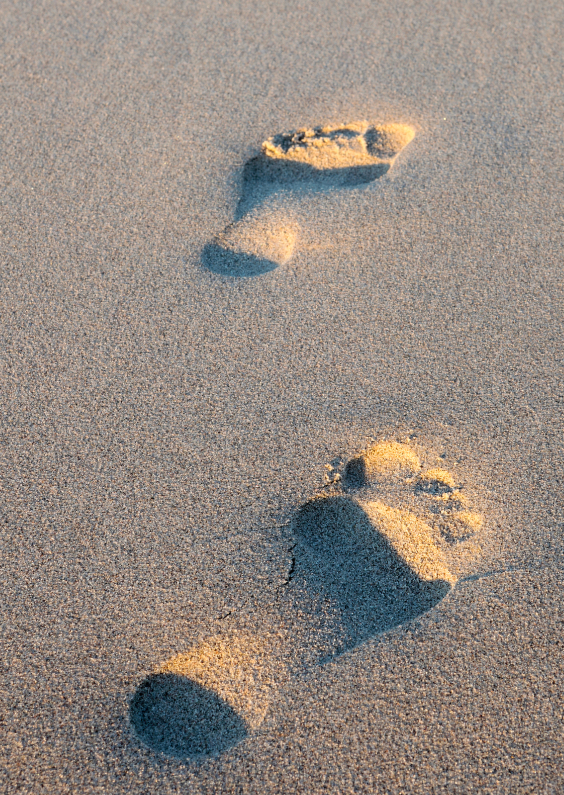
{"type": "Point", "coordinates": [281, 440]}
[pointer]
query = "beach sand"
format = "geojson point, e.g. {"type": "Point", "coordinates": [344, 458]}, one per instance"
{"type": "Point", "coordinates": [317, 493]}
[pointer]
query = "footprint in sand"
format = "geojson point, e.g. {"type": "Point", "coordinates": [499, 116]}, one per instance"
{"type": "Point", "coordinates": [263, 234]}
{"type": "Point", "coordinates": [384, 544]}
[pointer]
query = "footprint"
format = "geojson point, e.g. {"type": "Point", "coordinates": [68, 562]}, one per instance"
{"type": "Point", "coordinates": [263, 236]}
{"type": "Point", "coordinates": [379, 548]}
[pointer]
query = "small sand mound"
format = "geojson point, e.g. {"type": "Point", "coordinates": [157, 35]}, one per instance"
{"type": "Point", "coordinates": [389, 458]}
{"type": "Point", "coordinates": [342, 146]}
{"type": "Point", "coordinates": [383, 461]}
{"type": "Point", "coordinates": [471, 519]}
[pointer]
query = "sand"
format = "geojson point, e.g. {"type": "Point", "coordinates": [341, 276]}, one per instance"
{"type": "Point", "coordinates": [312, 493]}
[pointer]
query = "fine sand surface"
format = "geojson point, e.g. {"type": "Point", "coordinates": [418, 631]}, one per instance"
{"type": "Point", "coordinates": [282, 441]}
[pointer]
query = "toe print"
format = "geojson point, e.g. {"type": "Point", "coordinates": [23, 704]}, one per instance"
{"type": "Point", "coordinates": [381, 462]}
{"type": "Point", "coordinates": [382, 546]}
{"type": "Point", "coordinates": [393, 473]}
{"type": "Point", "coordinates": [448, 505]}
{"type": "Point", "coordinates": [263, 236]}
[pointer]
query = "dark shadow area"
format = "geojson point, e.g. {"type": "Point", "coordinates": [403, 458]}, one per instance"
{"type": "Point", "coordinates": [225, 262]}
{"type": "Point", "coordinates": [263, 175]}
{"type": "Point", "coordinates": [354, 475]}
{"type": "Point", "coordinates": [341, 555]}
{"type": "Point", "coordinates": [263, 169]}
{"type": "Point", "coordinates": [174, 715]}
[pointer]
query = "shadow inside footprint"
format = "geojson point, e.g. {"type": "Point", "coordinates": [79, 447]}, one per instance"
{"type": "Point", "coordinates": [226, 262]}
{"type": "Point", "coordinates": [342, 555]}
{"type": "Point", "coordinates": [354, 475]}
{"type": "Point", "coordinates": [263, 175]}
{"type": "Point", "coordinates": [179, 717]}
